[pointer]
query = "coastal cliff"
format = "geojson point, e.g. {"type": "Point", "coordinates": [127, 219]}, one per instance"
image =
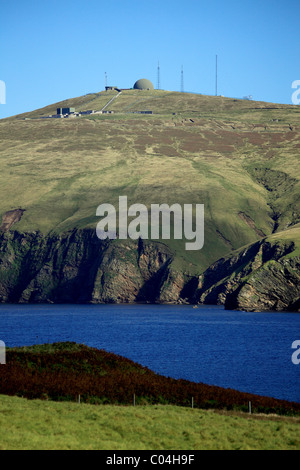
{"type": "Point", "coordinates": [76, 267]}
{"type": "Point", "coordinates": [264, 276]}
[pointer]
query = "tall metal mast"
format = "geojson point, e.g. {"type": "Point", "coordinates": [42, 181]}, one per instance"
{"type": "Point", "coordinates": [158, 77]}
{"type": "Point", "coordinates": [216, 75]}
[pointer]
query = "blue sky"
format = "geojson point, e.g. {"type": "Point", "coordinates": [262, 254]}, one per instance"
{"type": "Point", "coordinates": [52, 50]}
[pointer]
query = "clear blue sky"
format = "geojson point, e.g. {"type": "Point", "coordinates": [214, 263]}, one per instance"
{"type": "Point", "coordinates": [57, 49]}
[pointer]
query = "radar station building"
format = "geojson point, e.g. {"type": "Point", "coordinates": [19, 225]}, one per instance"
{"type": "Point", "coordinates": [143, 84]}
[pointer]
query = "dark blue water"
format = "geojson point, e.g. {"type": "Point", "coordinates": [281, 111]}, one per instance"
{"type": "Point", "coordinates": [250, 352]}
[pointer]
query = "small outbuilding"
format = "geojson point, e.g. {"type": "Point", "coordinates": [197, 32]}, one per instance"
{"type": "Point", "coordinates": [65, 110]}
{"type": "Point", "coordinates": [108, 88]}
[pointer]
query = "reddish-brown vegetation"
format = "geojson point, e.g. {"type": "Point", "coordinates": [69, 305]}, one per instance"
{"type": "Point", "coordinates": [62, 371]}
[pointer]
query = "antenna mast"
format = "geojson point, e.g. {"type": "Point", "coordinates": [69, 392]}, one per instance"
{"type": "Point", "coordinates": [182, 87]}
{"type": "Point", "coordinates": [158, 77]}
{"type": "Point", "coordinates": [216, 75]}
{"type": "Point", "coordinates": [105, 79]}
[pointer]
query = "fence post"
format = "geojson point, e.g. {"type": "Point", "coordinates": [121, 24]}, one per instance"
{"type": "Point", "coordinates": [78, 398]}
{"type": "Point", "coordinates": [250, 408]}
{"type": "Point", "coordinates": [192, 402]}
{"type": "Point", "coordinates": [134, 399]}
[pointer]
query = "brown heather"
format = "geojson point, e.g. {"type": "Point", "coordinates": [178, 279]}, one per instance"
{"type": "Point", "coordinates": [63, 371]}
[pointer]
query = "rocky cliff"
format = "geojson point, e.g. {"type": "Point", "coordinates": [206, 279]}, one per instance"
{"type": "Point", "coordinates": [77, 267]}
{"type": "Point", "coordinates": [264, 276]}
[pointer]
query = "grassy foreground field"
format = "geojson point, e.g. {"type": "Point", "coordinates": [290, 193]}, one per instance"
{"type": "Point", "coordinates": [41, 425]}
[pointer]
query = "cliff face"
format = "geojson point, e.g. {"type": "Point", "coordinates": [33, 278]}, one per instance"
{"type": "Point", "coordinates": [78, 267]}
{"type": "Point", "coordinates": [261, 277]}
{"type": "Point", "coordinates": [274, 287]}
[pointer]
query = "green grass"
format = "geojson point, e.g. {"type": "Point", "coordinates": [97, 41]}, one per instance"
{"type": "Point", "coordinates": [35, 424]}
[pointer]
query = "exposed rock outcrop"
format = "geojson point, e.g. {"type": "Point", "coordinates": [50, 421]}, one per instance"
{"type": "Point", "coordinates": [262, 277]}
{"type": "Point", "coordinates": [10, 218]}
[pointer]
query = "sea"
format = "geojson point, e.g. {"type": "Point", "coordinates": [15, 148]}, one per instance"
{"type": "Point", "coordinates": [249, 352]}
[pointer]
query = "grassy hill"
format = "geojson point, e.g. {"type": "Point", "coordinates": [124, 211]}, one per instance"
{"type": "Point", "coordinates": [239, 158]}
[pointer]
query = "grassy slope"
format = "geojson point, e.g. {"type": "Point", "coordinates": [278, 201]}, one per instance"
{"type": "Point", "coordinates": [44, 425]}
{"type": "Point", "coordinates": [290, 235]}
{"type": "Point", "coordinates": [61, 170]}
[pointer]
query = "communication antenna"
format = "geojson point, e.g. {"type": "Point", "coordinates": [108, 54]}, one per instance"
{"type": "Point", "coordinates": [105, 79]}
{"type": "Point", "coordinates": [182, 86]}
{"type": "Point", "coordinates": [216, 75]}
{"type": "Point", "coordinates": [158, 77]}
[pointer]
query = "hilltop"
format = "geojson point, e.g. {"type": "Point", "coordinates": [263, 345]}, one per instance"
{"type": "Point", "coordinates": [166, 103]}
{"type": "Point", "coordinates": [239, 158]}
